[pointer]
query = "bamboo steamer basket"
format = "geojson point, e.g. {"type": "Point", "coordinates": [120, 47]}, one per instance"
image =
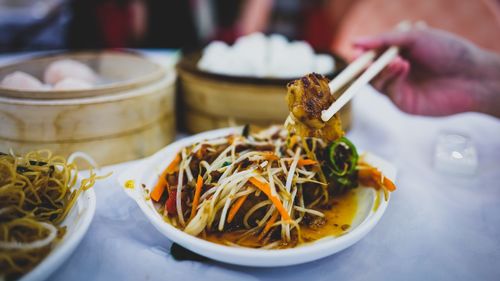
{"type": "Point", "coordinates": [211, 101]}
{"type": "Point", "coordinates": [129, 116]}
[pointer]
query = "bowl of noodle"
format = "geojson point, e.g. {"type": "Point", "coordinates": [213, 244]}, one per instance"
{"type": "Point", "coordinates": [46, 209]}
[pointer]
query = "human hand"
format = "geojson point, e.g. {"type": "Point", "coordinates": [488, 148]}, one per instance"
{"type": "Point", "coordinates": [437, 73]}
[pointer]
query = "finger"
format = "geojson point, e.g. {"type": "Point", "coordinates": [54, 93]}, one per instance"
{"type": "Point", "coordinates": [398, 38]}
{"type": "Point", "coordinates": [388, 74]}
{"type": "Point", "coordinates": [395, 88]}
{"type": "Point", "coordinates": [382, 78]}
{"type": "Point", "coordinates": [357, 52]}
{"type": "Point", "coordinates": [400, 76]}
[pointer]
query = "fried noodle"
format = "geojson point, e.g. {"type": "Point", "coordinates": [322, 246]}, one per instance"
{"type": "Point", "coordinates": [37, 191]}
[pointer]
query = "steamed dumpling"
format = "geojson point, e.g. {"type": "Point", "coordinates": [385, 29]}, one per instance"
{"type": "Point", "coordinates": [259, 55]}
{"type": "Point", "coordinates": [62, 69]}
{"type": "Point", "coordinates": [22, 81]}
{"type": "Point", "coordinates": [72, 84]}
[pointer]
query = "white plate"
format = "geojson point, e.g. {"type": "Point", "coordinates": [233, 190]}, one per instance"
{"type": "Point", "coordinates": [77, 223]}
{"type": "Point", "coordinates": [147, 171]}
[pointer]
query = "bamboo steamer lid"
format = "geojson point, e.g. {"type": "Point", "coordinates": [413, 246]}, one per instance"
{"type": "Point", "coordinates": [127, 119]}
{"type": "Point", "coordinates": [120, 71]}
{"type": "Point", "coordinates": [211, 101]}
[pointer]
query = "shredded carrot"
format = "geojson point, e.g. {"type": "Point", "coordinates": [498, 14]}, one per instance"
{"type": "Point", "coordinates": [276, 201]}
{"type": "Point", "coordinates": [389, 185]}
{"type": "Point", "coordinates": [270, 156]}
{"type": "Point", "coordinates": [235, 207]}
{"type": "Point", "coordinates": [173, 165]}
{"type": "Point", "coordinates": [162, 181]}
{"type": "Point", "coordinates": [197, 193]}
{"type": "Point", "coordinates": [374, 175]}
{"type": "Point", "coordinates": [159, 187]}
{"type": "Point", "coordinates": [268, 225]}
{"type": "Point", "coordinates": [306, 162]}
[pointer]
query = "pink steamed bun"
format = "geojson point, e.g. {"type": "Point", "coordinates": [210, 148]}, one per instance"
{"type": "Point", "coordinates": [22, 81]}
{"type": "Point", "coordinates": [61, 69]}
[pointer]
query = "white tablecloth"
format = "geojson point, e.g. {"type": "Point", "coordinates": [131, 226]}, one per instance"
{"type": "Point", "coordinates": [437, 226]}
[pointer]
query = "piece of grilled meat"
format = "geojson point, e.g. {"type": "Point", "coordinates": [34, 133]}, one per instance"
{"type": "Point", "coordinates": [307, 97]}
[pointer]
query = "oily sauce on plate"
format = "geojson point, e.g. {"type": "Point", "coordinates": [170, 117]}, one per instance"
{"type": "Point", "coordinates": [338, 222]}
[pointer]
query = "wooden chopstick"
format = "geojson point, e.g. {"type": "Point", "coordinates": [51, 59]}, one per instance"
{"type": "Point", "coordinates": [364, 79]}
{"type": "Point", "coordinates": [351, 71]}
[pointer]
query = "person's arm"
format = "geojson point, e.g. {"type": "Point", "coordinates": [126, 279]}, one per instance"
{"type": "Point", "coordinates": [437, 73]}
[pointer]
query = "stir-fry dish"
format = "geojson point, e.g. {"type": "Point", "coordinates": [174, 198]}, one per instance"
{"type": "Point", "coordinates": [307, 98]}
{"type": "Point", "coordinates": [36, 195]}
{"type": "Point", "coordinates": [271, 189]}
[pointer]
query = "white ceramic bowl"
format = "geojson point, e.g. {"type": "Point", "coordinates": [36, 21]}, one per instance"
{"type": "Point", "coordinates": [77, 223]}
{"type": "Point", "coordinates": [147, 171]}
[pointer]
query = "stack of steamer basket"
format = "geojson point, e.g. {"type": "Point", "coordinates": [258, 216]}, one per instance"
{"type": "Point", "coordinates": [128, 116]}
{"type": "Point", "coordinates": [211, 101]}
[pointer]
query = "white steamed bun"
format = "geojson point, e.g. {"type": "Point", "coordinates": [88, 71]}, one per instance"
{"type": "Point", "coordinates": [260, 56]}
{"type": "Point", "coordinates": [72, 84]}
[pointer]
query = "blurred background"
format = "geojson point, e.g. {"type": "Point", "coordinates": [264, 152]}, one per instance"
{"type": "Point", "coordinates": [195, 90]}
{"type": "Point", "coordinates": [328, 25]}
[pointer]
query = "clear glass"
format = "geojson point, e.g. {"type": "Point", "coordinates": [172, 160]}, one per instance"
{"type": "Point", "coordinates": [455, 153]}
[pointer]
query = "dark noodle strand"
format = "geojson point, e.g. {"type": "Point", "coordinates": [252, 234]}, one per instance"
{"type": "Point", "coordinates": [37, 191]}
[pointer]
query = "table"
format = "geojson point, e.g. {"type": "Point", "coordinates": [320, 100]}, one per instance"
{"type": "Point", "coordinates": [437, 227]}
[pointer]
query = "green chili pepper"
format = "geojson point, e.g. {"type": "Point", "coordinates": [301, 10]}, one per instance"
{"type": "Point", "coordinates": [340, 167]}
{"type": "Point", "coordinates": [342, 156]}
